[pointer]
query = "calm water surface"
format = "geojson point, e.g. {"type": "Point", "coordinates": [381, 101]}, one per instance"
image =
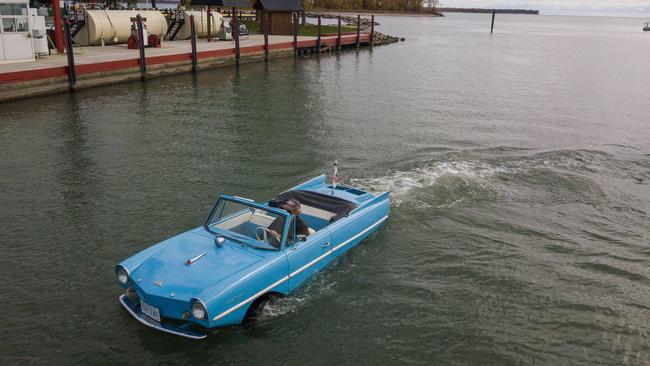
{"type": "Point", "coordinates": [519, 165]}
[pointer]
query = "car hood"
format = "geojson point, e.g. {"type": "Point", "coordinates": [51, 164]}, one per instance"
{"type": "Point", "coordinates": [167, 274]}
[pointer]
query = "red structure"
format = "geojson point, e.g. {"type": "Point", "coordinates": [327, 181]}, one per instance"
{"type": "Point", "coordinates": [58, 25]}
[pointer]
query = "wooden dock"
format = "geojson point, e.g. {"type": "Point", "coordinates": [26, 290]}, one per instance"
{"type": "Point", "coordinates": [96, 66]}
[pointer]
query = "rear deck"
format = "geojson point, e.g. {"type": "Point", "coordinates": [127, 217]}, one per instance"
{"type": "Point", "coordinates": [111, 64]}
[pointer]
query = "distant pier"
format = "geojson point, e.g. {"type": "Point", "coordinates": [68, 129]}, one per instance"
{"type": "Point", "coordinates": [488, 11]}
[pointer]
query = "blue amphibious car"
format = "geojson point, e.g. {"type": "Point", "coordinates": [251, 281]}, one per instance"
{"type": "Point", "coordinates": [224, 272]}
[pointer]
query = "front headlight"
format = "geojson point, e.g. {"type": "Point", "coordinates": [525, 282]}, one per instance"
{"type": "Point", "coordinates": [122, 276]}
{"type": "Point", "coordinates": [198, 310]}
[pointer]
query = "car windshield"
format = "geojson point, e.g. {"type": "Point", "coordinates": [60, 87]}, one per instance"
{"type": "Point", "coordinates": [248, 221]}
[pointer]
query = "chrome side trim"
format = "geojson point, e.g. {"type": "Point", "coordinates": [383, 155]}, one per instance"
{"type": "Point", "coordinates": [283, 279]}
{"type": "Point", "coordinates": [153, 324]}
{"type": "Point", "coordinates": [298, 271]}
{"type": "Point", "coordinates": [359, 234]}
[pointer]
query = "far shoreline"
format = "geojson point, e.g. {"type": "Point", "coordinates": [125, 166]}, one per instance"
{"type": "Point", "coordinates": [393, 13]}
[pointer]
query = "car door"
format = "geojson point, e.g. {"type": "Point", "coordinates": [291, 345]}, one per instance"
{"type": "Point", "coordinates": [308, 257]}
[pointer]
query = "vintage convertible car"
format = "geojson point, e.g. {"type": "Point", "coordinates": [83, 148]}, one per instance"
{"type": "Point", "coordinates": [224, 272]}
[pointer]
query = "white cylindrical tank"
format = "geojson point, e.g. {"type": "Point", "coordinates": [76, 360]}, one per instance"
{"type": "Point", "coordinates": [114, 26]}
{"type": "Point", "coordinates": [200, 23]}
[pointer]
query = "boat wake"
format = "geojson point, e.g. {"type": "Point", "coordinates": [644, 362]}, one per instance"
{"type": "Point", "coordinates": [463, 177]}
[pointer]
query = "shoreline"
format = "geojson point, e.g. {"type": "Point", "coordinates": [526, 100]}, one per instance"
{"type": "Point", "coordinates": [393, 13]}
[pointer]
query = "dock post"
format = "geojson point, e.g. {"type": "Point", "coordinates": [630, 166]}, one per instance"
{"type": "Point", "coordinates": [358, 29]}
{"type": "Point", "coordinates": [72, 72]}
{"type": "Point", "coordinates": [494, 13]}
{"type": "Point", "coordinates": [338, 34]}
{"type": "Point", "coordinates": [318, 39]}
{"type": "Point", "coordinates": [295, 33]}
{"type": "Point", "coordinates": [143, 64]}
{"type": "Point", "coordinates": [193, 31]}
{"type": "Point", "coordinates": [372, 29]}
{"type": "Point", "coordinates": [209, 15]}
{"type": "Point", "coordinates": [265, 21]}
{"type": "Point", "coordinates": [235, 30]}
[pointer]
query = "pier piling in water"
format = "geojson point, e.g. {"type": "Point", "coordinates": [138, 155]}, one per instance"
{"type": "Point", "coordinates": [318, 35]}
{"type": "Point", "coordinates": [295, 19]}
{"type": "Point", "coordinates": [494, 13]}
{"type": "Point", "coordinates": [265, 21]}
{"type": "Point", "coordinates": [235, 32]}
{"type": "Point", "coordinates": [338, 34]}
{"type": "Point", "coordinates": [372, 28]}
{"type": "Point", "coordinates": [143, 64]}
{"type": "Point", "coordinates": [358, 29]}
{"type": "Point", "coordinates": [72, 73]}
{"type": "Point", "coordinates": [193, 39]}
{"type": "Point", "coordinates": [208, 14]}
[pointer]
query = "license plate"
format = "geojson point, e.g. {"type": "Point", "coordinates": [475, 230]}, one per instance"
{"type": "Point", "coordinates": [150, 311]}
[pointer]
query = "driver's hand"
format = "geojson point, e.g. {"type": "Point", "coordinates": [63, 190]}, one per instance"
{"type": "Point", "coordinates": [275, 233]}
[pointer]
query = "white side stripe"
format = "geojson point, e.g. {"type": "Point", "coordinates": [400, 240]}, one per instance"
{"type": "Point", "coordinates": [298, 271]}
{"type": "Point", "coordinates": [361, 233]}
{"type": "Point", "coordinates": [250, 298]}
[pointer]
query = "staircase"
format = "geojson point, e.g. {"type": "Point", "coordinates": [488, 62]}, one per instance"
{"type": "Point", "coordinates": [173, 29]}
{"type": "Point", "coordinates": [76, 26]}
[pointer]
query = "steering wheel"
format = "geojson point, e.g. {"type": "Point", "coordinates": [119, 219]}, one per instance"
{"type": "Point", "coordinates": [263, 232]}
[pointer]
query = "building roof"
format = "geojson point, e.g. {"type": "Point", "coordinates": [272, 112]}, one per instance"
{"type": "Point", "coordinates": [278, 5]}
{"type": "Point", "coordinates": [225, 3]}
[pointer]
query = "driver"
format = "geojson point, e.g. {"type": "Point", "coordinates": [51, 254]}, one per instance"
{"type": "Point", "coordinates": [293, 207]}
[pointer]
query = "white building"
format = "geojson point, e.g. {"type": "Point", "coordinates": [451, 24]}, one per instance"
{"type": "Point", "coordinates": [22, 32]}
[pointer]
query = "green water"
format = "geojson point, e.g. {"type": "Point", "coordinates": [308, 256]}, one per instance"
{"type": "Point", "coordinates": [519, 166]}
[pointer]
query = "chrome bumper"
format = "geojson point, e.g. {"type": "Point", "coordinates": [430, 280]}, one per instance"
{"type": "Point", "coordinates": [134, 309]}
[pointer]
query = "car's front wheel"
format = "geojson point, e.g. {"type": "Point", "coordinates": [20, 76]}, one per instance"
{"type": "Point", "coordinates": [261, 309]}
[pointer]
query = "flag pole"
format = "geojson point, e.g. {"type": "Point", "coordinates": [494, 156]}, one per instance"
{"type": "Point", "coordinates": [335, 178]}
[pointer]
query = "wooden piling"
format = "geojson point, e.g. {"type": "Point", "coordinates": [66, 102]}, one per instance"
{"type": "Point", "coordinates": [358, 29]}
{"type": "Point", "coordinates": [494, 13]}
{"type": "Point", "coordinates": [372, 29]}
{"type": "Point", "coordinates": [265, 20]}
{"type": "Point", "coordinates": [72, 72]}
{"type": "Point", "coordinates": [193, 35]}
{"type": "Point", "coordinates": [318, 38]}
{"type": "Point", "coordinates": [209, 15]}
{"type": "Point", "coordinates": [338, 34]}
{"type": "Point", "coordinates": [235, 32]}
{"type": "Point", "coordinates": [143, 64]}
{"type": "Point", "coordinates": [295, 32]}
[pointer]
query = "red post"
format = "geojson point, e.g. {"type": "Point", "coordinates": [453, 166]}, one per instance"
{"type": "Point", "coordinates": [209, 25]}
{"type": "Point", "coordinates": [372, 28]}
{"type": "Point", "coordinates": [358, 29]}
{"type": "Point", "coordinates": [58, 25]}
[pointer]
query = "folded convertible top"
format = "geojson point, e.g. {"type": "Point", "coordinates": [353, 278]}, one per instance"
{"type": "Point", "coordinates": [336, 205]}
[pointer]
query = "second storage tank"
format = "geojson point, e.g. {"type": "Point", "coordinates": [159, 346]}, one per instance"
{"type": "Point", "coordinates": [114, 26]}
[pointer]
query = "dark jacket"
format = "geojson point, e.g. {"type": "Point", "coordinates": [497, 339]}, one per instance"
{"type": "Point", "coordinates": [278, 225]}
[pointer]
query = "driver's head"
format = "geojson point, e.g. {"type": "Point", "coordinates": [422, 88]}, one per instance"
{"type": "Point", "coordinates": [293, 206]}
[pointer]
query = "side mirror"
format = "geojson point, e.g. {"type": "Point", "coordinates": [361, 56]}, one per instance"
{"type": "Point", "coordinates": [219, 240]}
